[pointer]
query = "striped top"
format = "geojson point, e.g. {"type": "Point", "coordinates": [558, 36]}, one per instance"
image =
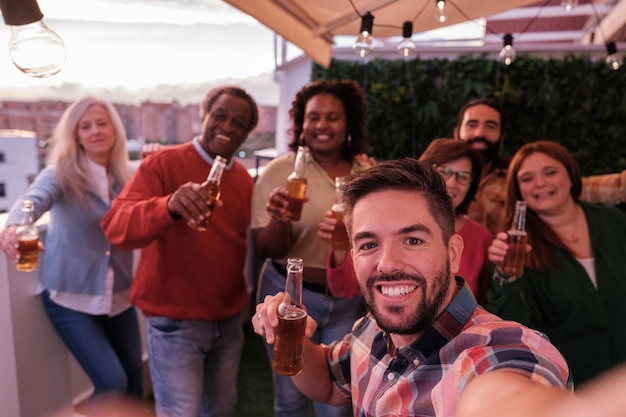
{"type": "Point", "coordinates": [427, 377]}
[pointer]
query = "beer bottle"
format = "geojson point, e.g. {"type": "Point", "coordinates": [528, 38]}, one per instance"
{"type": "Point", "coordinates": [339, 240]}
{"type": "Point", "coordinates": [513, 264]}
{"type": "Point", "coordinates": [27, 239]}
{"type": "Point", "coordinates": [212, 185]}
{"type": "Point", "coordinates": [296, 186]}
{"type": "Point", "coordinates": [289, 342]}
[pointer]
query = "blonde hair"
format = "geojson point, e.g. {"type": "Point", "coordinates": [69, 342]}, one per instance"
{"type": "Point", "coordinates": [69, 158]}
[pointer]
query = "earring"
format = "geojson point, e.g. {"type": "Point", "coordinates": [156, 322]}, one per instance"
{"type": "Point", "coordinates": [301, 139]}
{"type": "Point", "coordinates": [349, 141]}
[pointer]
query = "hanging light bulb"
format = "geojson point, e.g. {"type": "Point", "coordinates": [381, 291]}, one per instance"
{"type": "Point", "coordinates": [441, 14]}
{"type": "Point", "coordinates": [507, 53]}
{"type": "Point", "coordinates": [613, 60]}
{"type": "Point", "coordinates": [568, 5]}
{"type": "Point", "coordinates": [365, 42]}
{"type": "Point", "coordinates": [407, 47]}
{"type": "Point", "coordinates": [34, 48]}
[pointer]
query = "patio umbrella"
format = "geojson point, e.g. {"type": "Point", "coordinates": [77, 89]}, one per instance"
{"type": "Point", "coordinates": [312, 24]}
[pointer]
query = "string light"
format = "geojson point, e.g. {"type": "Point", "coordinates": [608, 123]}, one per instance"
{"type": "Point", "coordinates": [407, 47]}
{"type": "Point", "coordinates": [34, 48]}
{"type": "Point", "coordinates": [568, 5]}
{"type": "Point", "coordinates": [365, 42]}
{"type": "Point", "coordinates": [613, 60]}
{"type": "Point", "coordinates": [442, 13]}
{"type": "Point", "coordinates": [507, 53]}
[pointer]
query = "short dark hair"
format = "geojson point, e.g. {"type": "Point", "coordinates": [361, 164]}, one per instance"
{"type": "Point", "coordinates": [441, 151]}
{"type": "Point", "coordinates": [406, 174]}
{"type": "Point", "coordinates": [212, 96]}
{"type": "Point", "coordinates": [353, 99]}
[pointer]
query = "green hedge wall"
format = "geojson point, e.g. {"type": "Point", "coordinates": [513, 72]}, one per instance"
{"type": "Point", "coordinates": [574, 101]}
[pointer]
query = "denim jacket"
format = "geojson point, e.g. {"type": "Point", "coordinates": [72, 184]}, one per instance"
{"type": "Point", "coordinates": [77, 254]}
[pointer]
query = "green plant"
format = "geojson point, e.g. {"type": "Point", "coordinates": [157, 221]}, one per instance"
{"type": "Point", "coordinates": [575, 101]}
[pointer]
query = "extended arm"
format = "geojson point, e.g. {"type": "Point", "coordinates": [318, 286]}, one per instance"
{"type": "Point", "coordinates": [505, 394]}
{"type": "Point", "coordinates": [314, 381]}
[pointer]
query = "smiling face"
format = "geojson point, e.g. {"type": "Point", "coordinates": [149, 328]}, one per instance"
{"type": "Point", "coordinates": [544, 183]}
{"type": "Point", "coordinates": [455, 190]}
{"type": "Point", "coordinates": [225, 126]}
{"type": "Point", "coordinates": [481, 127]}
{"type": "Point", "coordinates": [96, 134]}
{"type": "Point", "coordinates": [403, 266]}
{"type": "Point", "coordinates": [325, 124]}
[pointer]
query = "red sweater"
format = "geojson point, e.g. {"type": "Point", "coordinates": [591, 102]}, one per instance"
{"type": "Point", "coordinates": [183, 273]}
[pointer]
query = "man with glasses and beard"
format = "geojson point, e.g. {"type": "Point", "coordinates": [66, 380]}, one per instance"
{"type": "Point", "coordinates": [425, 347]}
{"type": "Point", "coordinates": [481, 123]}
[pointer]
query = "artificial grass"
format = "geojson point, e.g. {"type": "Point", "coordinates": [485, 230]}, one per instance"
{"type": "Point", "coordinates": [255, 395]}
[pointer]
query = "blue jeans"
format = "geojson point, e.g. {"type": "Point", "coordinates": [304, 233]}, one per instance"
{"type": "Point", "coordinates": [107, 348]}
{"type": "Point", "coordinates": [334, 317]}
{"type": "Point", "coordinates": [194, 365]}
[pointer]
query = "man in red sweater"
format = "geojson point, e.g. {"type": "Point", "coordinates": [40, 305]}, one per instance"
{"type": "Point", "coordinates": [190, 284]}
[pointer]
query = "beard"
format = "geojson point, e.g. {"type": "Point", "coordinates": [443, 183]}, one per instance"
{"type": "Point", "coordinates": [490, 152]}
{"type": "Point", "coordinates": [397, 319]}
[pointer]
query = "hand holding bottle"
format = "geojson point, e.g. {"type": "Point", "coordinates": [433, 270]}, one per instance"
{"type": "Point", "coordinates": [195, 202]}
{"type": "Point", "coordinates": [277, 204]}
{"type": "Point", "coordinates": [508, 251]}
{"type": "Point", "coordinates": [189, 202]}
{"type": "Point", "coordinates": [296, 186]}
{"type": "Point", "coordinates": [21, 242]}
{"type": "Point", "coordinates": [499, 248]}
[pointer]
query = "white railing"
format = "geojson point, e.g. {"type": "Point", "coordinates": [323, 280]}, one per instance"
{"type": "Point", "coordinates": [38, 375]}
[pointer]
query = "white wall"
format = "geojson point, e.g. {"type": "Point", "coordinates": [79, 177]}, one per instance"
{"type": "Point", "coordinates": [19, 166]}
{"type": "Point", "coordinates": [291, 77]}
{"type": "Point", "coordinates": [38, 375]}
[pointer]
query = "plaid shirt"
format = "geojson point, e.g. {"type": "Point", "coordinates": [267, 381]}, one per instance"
{"type": "Point", "coordinates": [607, 189]}
{"type": "Point", "coordinates": [427, 377]}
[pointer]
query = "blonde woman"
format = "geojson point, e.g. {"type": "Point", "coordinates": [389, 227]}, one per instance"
{"type": "Point", "coordinates": [84, 281]}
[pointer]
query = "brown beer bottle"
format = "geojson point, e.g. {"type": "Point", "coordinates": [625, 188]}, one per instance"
{"type": "Point", "coordinates": [289, 342]}
{"type": "Point", "coordinates": [212, 185]}
{"type": "Point", "coordinates": [296, 185]}
{"type": "Point", "coordinates": [513, 264]}
{"type": "Point", "coordinates": [27, 239]}
{"type": "Point", "coordinates": [339, 240]}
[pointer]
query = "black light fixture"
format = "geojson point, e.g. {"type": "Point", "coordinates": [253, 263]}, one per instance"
{"type": "Point", "coordinates": [613, 60]}
{"type": "Point", "coordinates": [34, 48]}
{"type": "Point", "coordinates": [507, 53]}
{"type": "Point", "coordinates": [365, 42]}
{"type": "Point", "coordinates": [407, 47]}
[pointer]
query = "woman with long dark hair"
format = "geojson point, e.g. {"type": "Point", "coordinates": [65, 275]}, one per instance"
{"type": "Point", "coordinates": [573, 285]}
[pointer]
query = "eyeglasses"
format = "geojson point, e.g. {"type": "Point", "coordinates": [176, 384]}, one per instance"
{"type": "Point", "coordinates": [461, 177]}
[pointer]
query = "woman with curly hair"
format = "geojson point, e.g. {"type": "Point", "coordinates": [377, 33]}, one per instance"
{"type": "Point", "coordinates": [329, 118]}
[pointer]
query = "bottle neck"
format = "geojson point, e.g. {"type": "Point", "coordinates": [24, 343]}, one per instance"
{"type": "Point", "coordinates": [299, 164]}
{"type": "Point", "coordinates": [27, 217]}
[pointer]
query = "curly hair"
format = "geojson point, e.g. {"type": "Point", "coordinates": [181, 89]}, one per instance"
{"type": "Point", "coordinates": [351, 95]}
{"type": "Point", "coordinates": [212, 96]}
{"type": "Point", "coordinates": [441, 151]}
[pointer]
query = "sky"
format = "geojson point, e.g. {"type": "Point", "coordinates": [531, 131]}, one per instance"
{"type": "Point", "coordinates": [132, 50]}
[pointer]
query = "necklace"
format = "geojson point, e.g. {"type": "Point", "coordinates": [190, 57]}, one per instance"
{"type": "Point", "coordinates": [574, 238]}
